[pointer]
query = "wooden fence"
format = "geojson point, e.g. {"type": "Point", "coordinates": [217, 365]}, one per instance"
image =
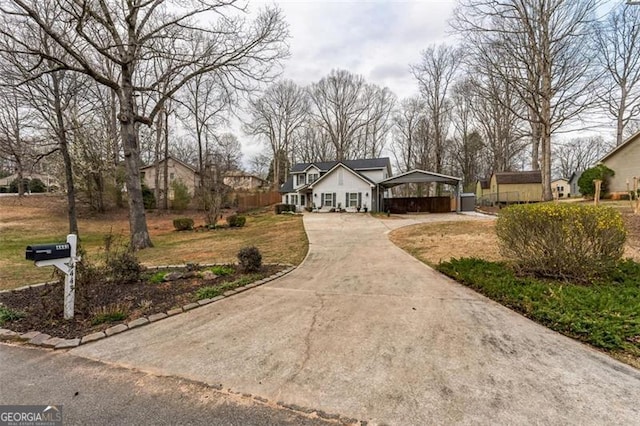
{"type": "Point", "coordinates": [254, 200]}
{"type": "Point", "coordinates": [418, 204]}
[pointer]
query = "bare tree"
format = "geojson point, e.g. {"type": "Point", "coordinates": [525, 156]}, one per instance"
{"type": "Point", "coordinates": [372, 137]}
{"type": "Point", "coordinates": [466, 141]}
{"type": "Point", "coordinates": [541, 44]}
{"type": "Point", "coordinates": [407, 143]}
{"type": "Point", "coordinates": [277, 116]}
{"type": "Point", "coordinates": [618, 54]}
{"type": "Point", "coordinates": [17, 122]}
{"type": "Point", "coordinates": [129, 36]}
{"type": "Point", "coordinates": [312, 143]}
{"type": "Point", "coordinates": [340, 109]}
{"type": "Point", "coordinates": [435, 74]}
{"type": "Point", "coordinates": [579, 154]}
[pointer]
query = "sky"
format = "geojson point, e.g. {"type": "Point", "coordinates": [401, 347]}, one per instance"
{"type": "Point", "coordinates": [376, 39]}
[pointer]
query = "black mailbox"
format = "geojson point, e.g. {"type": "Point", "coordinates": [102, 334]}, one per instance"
{"type": "Point", "coordinates": [48, 251]}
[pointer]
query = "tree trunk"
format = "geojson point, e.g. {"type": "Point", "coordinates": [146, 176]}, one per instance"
{"type": "Point", "coordinates": [165, 171]}
{"type": "Point", "coordinates": [137, 220]}
{"type": "Point", "coordinates": [64, 149]}
{"type": "Point", "coordinates": [535, 144]}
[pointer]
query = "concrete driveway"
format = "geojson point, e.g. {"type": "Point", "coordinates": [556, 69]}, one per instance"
{"type": "Point", "coordinates": [364, 330]}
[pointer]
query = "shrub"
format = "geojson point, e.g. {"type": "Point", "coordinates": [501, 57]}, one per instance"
{"type": "Point", "coordinates": [250, 259]}
{"type": "Point", "coordinates": [569, 241]}
{"type": "Point", "coordinates": [208, 292]}
{"type": "Point", "coordinates": [13, 186]}
{"type": "Point", "coordinates": [236, 221]}
{"type": "Point", "coordinates": [7, 315]}
{"type": "Point", "coordinates": [183, 224]}
{"type": "Point", "coordinates": [158, 277]}
{"type": "Point", "coordinates": [37, 186]}
{"type": "Point", "coordinates": [148, 197]}
{"type": "Point", "coordinates": [110, 313]}
{"type": "Point", "coordinates": [181, 196]}
{"type": "Point", "coordinates": [222, 270]}
{"type": "Point", "coordinates": [281, 208]}
{"type": "Point", "coordinates": [586, 185]}
{"type": "Point", "coordinates": [121, 263]}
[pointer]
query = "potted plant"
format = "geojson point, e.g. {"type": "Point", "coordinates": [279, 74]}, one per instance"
{"type": "Point", "coordinates": [358, 209]}
{"type": "Point", "coordinates": [366, 208]}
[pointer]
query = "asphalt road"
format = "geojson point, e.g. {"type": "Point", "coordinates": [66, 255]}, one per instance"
{"type": "Point", "coordinates": [363, 330]}
{"type": "Point", "coordinates": [92, 393]}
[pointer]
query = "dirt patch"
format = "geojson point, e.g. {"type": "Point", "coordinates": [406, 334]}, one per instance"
{"type": "Point", "coordinates": [42, 307]}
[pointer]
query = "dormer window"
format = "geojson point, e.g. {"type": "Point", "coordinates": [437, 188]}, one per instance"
{"type": "Point", "coordinates": [300, 179]}
{"type": "Point", "coordinates": [313, 177]}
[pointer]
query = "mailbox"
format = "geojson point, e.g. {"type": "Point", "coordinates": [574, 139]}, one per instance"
{"type": "Point", "coordinates": [48, 251]}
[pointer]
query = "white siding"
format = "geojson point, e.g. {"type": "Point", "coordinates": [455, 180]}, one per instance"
{"type": "Point", "coordinates": [375, 175]}
{"type": "Point", "coordinates": [350, 184]}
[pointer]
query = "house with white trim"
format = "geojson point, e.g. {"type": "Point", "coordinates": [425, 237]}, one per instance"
{"type": "Point", "coordinates": [347, 184]}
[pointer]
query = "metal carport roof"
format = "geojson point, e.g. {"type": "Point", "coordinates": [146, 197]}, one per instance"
{"type": "Point", "coordinates": [419, 176]}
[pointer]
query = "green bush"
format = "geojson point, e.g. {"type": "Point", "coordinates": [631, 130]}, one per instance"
{"type": "Point", "coordinates": [601, 172]}
{"type": "Point", "coordinates": [183, 224]}
{"type": "Point", "coordinates": [250, 259]}
{"type": "Point", "coordinates": [222, 270]}
{"type": "Point", "coordinates": [37, 186]}
{"type": "Point", "coordinates": [158, 277]}
{"type": "Point", "coordinates": [281, 208]}
{"type": "Point", "coordinates": [7, 315]}
{"type": "Point", "coordinates": [148, 197]}
{"type": "Point", "coordinates": [13, 186]}
{"type": "Point", "coordinates": [209, 292]}
{"type": "Point", "coordinates": [181, 196]}
{"type": "Point", "coordinates": [570, 241]}
{"type": "Point", "coordinates": [236, 221]}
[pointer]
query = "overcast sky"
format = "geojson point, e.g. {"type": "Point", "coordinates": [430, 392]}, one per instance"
{"type": "Point", "coordinates": [376, 39]}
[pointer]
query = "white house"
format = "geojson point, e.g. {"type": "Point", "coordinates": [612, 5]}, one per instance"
{"type": "Point", "coordinates": [560, 188]}
{"type": "Point", "coordinates": [348, 184]}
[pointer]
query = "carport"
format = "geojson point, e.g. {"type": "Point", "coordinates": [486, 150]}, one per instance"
{"type": "Point", "coordinates": [421, 176]}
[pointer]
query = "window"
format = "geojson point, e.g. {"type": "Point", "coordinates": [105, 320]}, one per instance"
{"type": "Point", "coordinates": [142, 175]}
{"type": "Point", "coordinates": [313, 177]}
{"type": "Point", "coordinates": [171, 176]}
{"type": "Point", "coordinates": [301, 179]}
{"type": "Point", "coordinates": [353, 199]}
{"type": "Point", "coordinates": [294, 200]}
{"type": "Point", "coordinates": [328, 200]}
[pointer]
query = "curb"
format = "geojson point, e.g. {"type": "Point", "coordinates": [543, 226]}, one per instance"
{"type": "Point", "coordinates": [36, 338]}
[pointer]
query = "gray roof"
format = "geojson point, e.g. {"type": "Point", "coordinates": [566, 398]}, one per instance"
{"type": "Point", "coordinates": [362, 164]}
{"type": "Point", "coordinates": [419, 176]}
{"type": "Point", "coordinates": [287, 186]}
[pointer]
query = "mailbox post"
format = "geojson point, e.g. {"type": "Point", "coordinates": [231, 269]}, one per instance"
{"type": "Point", "coordinates": [63, 257]}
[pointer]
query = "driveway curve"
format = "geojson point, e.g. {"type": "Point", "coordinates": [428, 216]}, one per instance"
{"type": "Point", "coordinates": [364, 330]}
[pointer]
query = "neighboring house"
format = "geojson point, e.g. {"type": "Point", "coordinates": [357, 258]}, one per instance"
{"type": "Point", "coordinates": [574, 189]}
{"type": "Point", "coordinates": [515, 187]}
{"type": "Point", "coordinates": [347, 184]}
{"type": "Point", "coordinates": [560, 189]}
{"type": "Point", "coordinates": [624, 160]}
{"type": "Point", "coordinates": [242, 181]}
{"type": "Point", "coordinates": [482, 188]}
{"type": "Point", "coordinates": [178, 171]}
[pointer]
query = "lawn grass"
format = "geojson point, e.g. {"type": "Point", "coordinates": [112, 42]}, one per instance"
{"type": "Point", "coordinates": [605, 314]}
{"type": "Point", "coordinates": [42, 219]}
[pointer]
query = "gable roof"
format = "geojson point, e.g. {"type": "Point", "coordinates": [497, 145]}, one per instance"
{"type": "Point", "coordinates": [624, 144]}
{"type": "Point", "coordinates": [287, 186]}
{"type": "Point", "coordinates": [531, 176]}
{"type": "Point", "coordinates": [418, 176]}
{"type": "Point", "coordinates": [340, 164]}
{"type": "Point", "coordinates": [484, 183]}
{"type": "Point", "coordinates": [360, 164]}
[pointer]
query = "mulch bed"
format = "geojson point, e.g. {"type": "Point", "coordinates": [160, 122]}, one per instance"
{"type": "Point", "coordinates": [43, 306]}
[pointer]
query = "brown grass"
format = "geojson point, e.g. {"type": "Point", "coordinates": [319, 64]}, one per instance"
{"type": "Point", "coordinates": [437, 242]}
{"type": "Point", "coordinates": [42, 219]}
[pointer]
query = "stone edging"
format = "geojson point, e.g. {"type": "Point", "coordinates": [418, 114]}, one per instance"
{"type": "Point", "coordinates": [44, 340]}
